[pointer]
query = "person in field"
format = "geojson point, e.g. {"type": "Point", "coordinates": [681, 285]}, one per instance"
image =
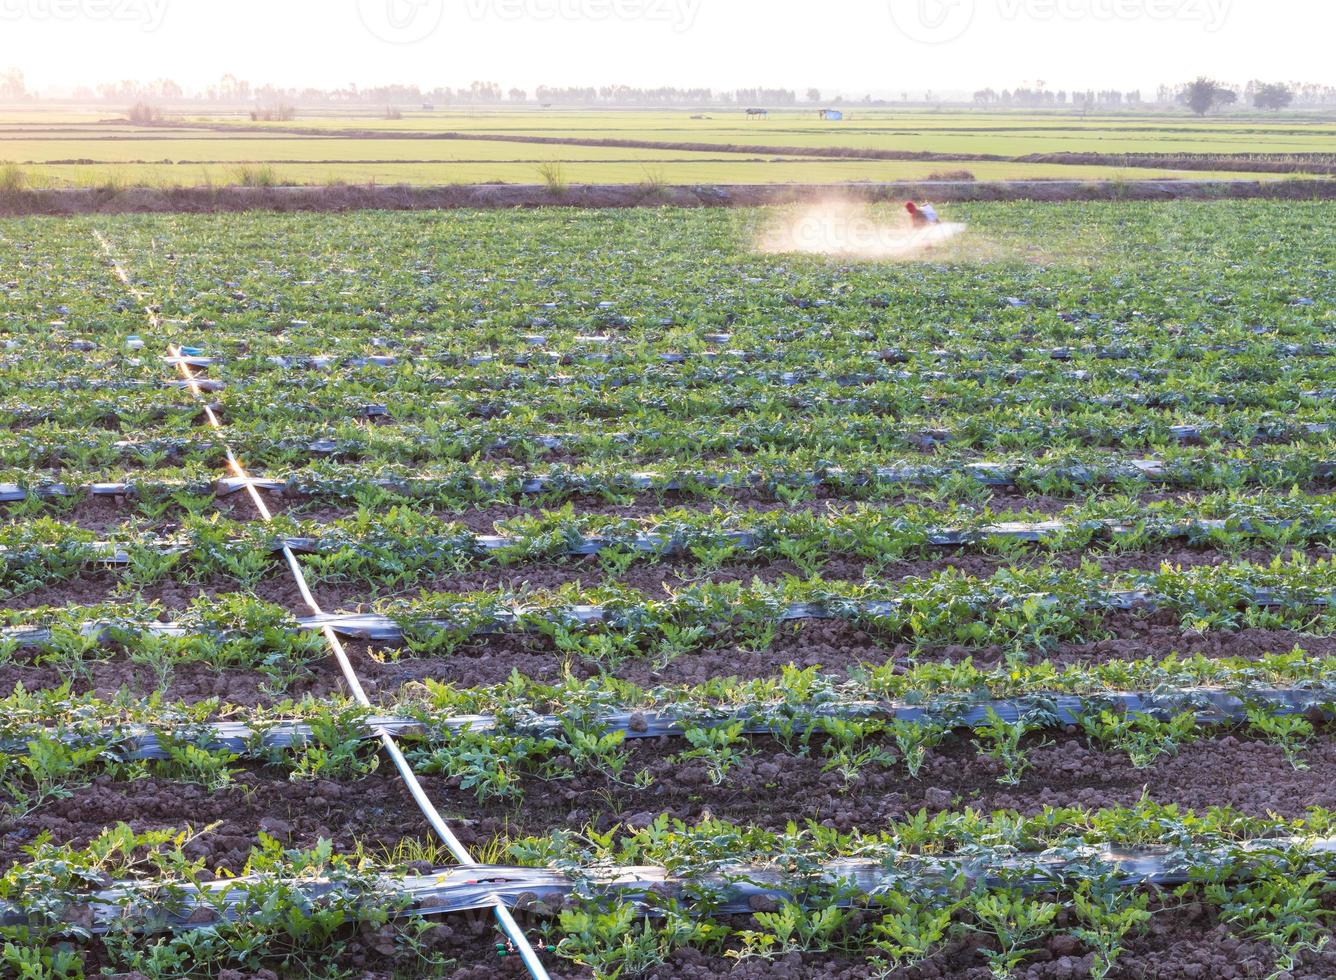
{"type": "Point", "coordinates": [922, 217]}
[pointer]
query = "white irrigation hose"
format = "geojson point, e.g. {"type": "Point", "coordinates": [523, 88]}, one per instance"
{"type": "Point", "coordinates": [438, 824]}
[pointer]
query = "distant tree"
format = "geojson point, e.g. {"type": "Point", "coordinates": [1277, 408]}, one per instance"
{"type": "Point", "coordinates": [1203, 94]}
{"type": "Point", "coordinates": [13, 86]}
{"type": "Point", "coordinates": [282, 112]}
{"type": "Point", "coordinates": [760, 96]}
{"type": "Point", "coordinates": [233, 89]}
{"type": "Point", "coordinates": [168, 89]}
{"type": "Point", "coordinates": [518, 95]}
{"type": "Point", "coordinates": [1273, 96]}
{"type": "Point", "coordinates": [814, 95]}
{"type": "Point", "coordinates": [143, 114]}
{"type": "Point", "coordinates": [484, 93]}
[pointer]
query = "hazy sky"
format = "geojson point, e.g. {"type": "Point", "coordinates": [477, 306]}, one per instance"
{"type": "Point", "coordinates": [848, 47]}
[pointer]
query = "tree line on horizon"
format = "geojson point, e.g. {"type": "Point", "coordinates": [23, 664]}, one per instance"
{"type": "Point", "coordinates": [1201, 95]}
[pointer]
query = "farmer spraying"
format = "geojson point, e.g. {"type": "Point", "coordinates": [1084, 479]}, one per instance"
{"type": "Point", "coordinates": [922, 217]}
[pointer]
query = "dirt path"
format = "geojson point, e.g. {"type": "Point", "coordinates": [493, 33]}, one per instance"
{"type": "Point", "coordinates": [342, 198]}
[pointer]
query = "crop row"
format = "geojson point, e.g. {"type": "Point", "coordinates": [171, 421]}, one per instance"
{"type": "Point", "coordinates": [899, 898]}
{"type": "Point", "coordinates": [814, 382]}
{"type": "Point", "coordinates": [731, 889]}
{"type": "Point", "coordinates": [788, 350]}
{"type": "Point", "coordinates": [447, 350]}
{"type": "Point", "coordinates": [1028, 607]}
{"type": "Point", "coordinates": [962, 407]}
{"type": "Point", "coordinates": [1145, 724]}
{"type": "Point", "coordinates": [403, 545]}
{"type": "Point", "coordinates": [859, 475]}
{"type": "Point", "coordinates": [55, 711]}
{"type": "Point", "coordinates": [668, 439]}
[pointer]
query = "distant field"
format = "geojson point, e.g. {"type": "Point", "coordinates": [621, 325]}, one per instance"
{"type": "Point", "coordinates": [598, 172]}
{"type": "Point", "coordinates": [947, 132]}
{"type": "Point", "coordinates": [77, 147]}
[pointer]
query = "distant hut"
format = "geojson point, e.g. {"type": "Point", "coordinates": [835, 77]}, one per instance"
{"type": "Point", "coordinates": [832, 115]}
{"type": "Point", "coordinates": [758, 113]}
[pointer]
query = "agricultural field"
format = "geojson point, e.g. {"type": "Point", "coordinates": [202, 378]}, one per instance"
{"type": "Point", "coordinates": [76, 147]}
{"type": "Point", "coordinates": [594, 594]}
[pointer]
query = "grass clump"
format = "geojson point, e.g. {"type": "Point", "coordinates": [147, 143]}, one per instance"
{"type": "Point", "coordinates": [13, 178]}
{"type": "Point", "coordinates": [255, 175]}
{"type": "Point", "coordinates": [554, 177]}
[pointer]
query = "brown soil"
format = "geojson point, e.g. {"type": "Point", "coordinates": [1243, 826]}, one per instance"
{"type": "Point", "coordinates": [96, 587]}
{"type": "Point", "coordinates": [835, 646]}
{"type": "Point", "coordinates": [378, 812]}
{"type": "Point", "coordinates": [185, 682]}
{"type": "Point", "coordinates": [504, 196]}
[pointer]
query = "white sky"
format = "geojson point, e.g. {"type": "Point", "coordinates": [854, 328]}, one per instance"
{"type": "Point", "coordinates": [845, 47]}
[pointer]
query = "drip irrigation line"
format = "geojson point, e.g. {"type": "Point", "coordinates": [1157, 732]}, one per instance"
{"type": "Point", "coordinates": [547, 357]}
{"type": "Point", "coordinates": [453, 844]}
{"type": "Point", "coordinates": [988, 474]}
{"type": "Point", "coordinates": [733, 889]}
{"type": "Point", "coordinates": [373, 627]}
{"type": "Point", "coordinates": [392, 443]}
{"type": "Point", "coordinates": [677, 545]}
{"type": "Point", "coordinates": [1213, 706]}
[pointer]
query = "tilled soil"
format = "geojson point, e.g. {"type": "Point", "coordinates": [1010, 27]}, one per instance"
{"type": "Point", "coordinates": [107, 585]}
{"type": "Point", "coordinates": [67, 201]}
{"type": "Point", "coordinates": [657, 579]}
{"type": "Point", "coordinates": [834, 646]}
{"type": "Point", "coordinates": [768, 788]}
{"type": "Point", "coordinates": [185, 682]}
